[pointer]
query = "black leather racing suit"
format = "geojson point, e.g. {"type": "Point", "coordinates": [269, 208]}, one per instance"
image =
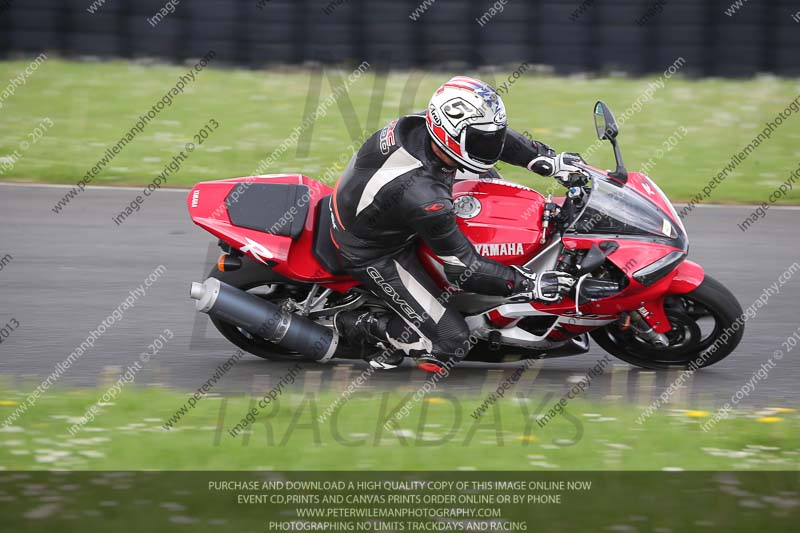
{"type": "Point", "coordinates": [394, 190]}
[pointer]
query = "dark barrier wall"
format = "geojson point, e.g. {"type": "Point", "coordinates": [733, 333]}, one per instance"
{"type": "Point", "coordinates": [634, 36]}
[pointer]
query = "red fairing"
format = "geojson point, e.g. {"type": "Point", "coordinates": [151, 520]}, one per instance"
{"type": "Point", "coordinates": [687, 277]}
{"type": "Point", "coordinates": [629, 257]}
{"type": "Point", "coordinates": [293, 259]}
{"type": "Point", "coordinates": [499, 320]}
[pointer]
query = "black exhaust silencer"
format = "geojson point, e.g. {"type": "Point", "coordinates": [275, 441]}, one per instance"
{"type": "Point", "coordinates": [265, 319]}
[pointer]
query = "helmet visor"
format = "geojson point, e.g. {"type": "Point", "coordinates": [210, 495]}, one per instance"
{"type": "Point", "coordinates": [485, 146]}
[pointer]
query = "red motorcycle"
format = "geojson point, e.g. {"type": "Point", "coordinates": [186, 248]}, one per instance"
{"type": "Point", "coordinates": [279, 281]}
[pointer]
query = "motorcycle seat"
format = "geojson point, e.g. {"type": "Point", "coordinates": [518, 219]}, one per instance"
{"type": "Point", "coordinates": [275, 208]}
{"type": "Point", "coordinates": [323, 249]}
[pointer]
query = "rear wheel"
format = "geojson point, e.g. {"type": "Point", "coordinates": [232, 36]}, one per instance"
{"type": "Point", "coordinates": [699, 321]}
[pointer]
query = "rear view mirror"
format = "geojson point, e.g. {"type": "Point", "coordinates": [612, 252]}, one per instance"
{"type": "Point", "coordinates": [607, 130]}
{"type": "Point", "coordinates": [604, 122]}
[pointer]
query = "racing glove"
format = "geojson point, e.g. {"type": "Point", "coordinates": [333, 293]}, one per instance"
{"type": "Point", "coordinates": [562, 167]}
{"type": "Point", "coordinates": [548, 286]}
{"type": "Point", "coordinates": [544, 149]}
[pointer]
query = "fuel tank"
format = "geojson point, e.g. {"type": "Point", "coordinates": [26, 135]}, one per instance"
{"type": "Point", "coordinates": [502, 219]}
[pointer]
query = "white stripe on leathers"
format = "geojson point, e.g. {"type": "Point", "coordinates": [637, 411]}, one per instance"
{"type": "Point", "coordinates": [395, 165]}
{"type": "Point", "coordinates": [431, 305]}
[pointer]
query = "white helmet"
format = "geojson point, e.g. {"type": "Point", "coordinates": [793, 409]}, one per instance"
{"type": "Point", "coordinates": [467, 119]}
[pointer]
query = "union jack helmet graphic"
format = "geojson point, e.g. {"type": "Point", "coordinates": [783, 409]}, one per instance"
{"type": "Point", "coordinates": [467, 119]}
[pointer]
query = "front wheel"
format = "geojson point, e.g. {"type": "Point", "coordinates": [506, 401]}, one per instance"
{"type": "Point", "coordinates": [706, 328]}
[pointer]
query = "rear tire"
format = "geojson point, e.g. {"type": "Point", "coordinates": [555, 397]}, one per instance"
{"type": "Point", "coordinates": [689, 346]}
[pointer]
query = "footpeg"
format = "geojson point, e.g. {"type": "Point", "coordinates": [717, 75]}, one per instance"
{"type": "Point", "coordinates": [494, 340]}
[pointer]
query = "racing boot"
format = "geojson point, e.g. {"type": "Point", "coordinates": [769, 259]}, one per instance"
{"type": "Point", "coordinates": [367, 329]}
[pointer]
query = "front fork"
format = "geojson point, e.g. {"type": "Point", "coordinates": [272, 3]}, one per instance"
{"type": "Point", "coordinates": [644, 322]}
{"type": "Point", "coordinates": [650, 320]}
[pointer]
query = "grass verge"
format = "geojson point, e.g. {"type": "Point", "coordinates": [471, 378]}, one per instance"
{"type": "Point", "coordinates": [439, 433]}
{"type": "Point", "coordinates": [92, 105]}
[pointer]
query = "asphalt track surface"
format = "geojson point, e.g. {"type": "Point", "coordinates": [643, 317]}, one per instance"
{"type": "Point", "coordinates": [69, 271]}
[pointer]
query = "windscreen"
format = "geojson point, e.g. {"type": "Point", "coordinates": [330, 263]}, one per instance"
{"type": "Point", "coordinates": [613, 209]}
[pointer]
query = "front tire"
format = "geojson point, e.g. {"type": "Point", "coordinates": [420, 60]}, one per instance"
{"type": "Point", "coordinates": [699, 319]}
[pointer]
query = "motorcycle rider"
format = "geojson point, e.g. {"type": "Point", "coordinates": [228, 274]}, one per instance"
{"type": "Point", "coordinates": [397, 188]}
